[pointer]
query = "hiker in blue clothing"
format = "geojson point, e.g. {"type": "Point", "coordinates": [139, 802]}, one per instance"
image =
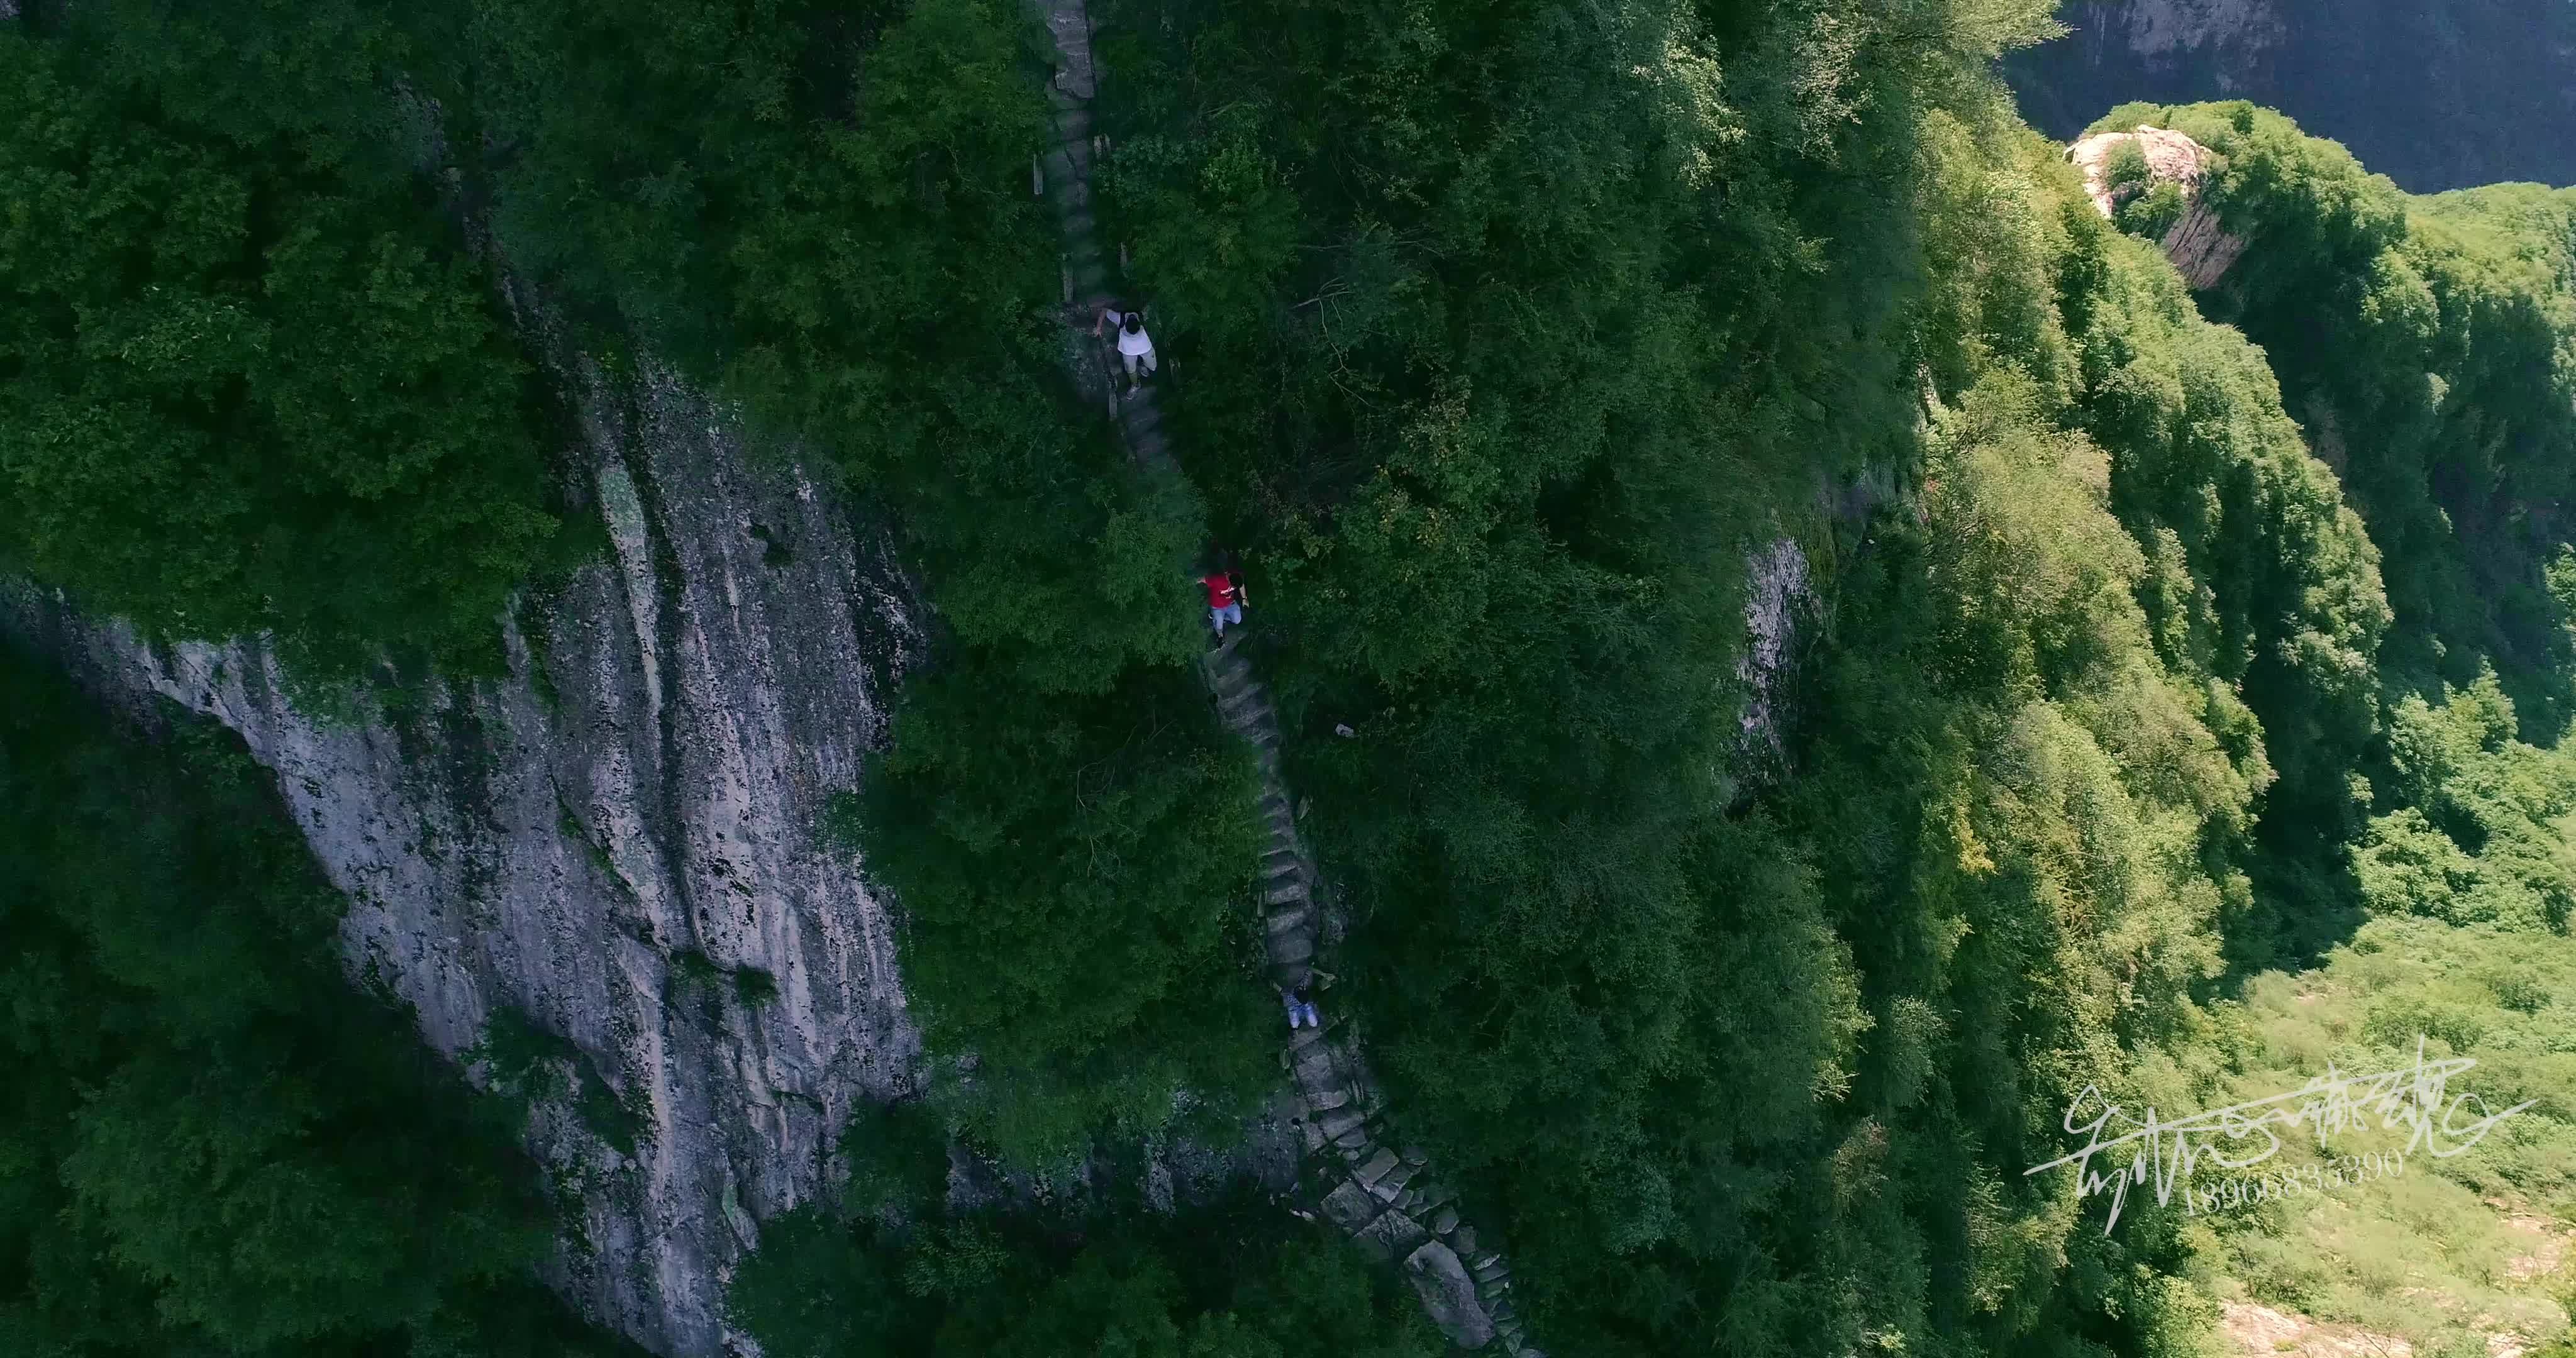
{"type": "Point", "coordinates": [1300, 1007]}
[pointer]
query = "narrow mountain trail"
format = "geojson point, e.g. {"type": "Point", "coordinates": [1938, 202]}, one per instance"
{"type": "Point", "coordinates": [1386, 1199]}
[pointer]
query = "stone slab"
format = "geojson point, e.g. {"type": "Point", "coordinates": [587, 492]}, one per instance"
{"type": "Point", "coordinates": [1447, 1295]}
{"type": "Point", "coordinates": [1391, 1236]}
{"type": "Point", "coordinates": [1349, 1207]}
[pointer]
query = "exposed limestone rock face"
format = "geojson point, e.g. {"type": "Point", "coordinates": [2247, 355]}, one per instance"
{"type": "Point", "coordinates": [1777, 593]}
{"type": "Point", "coordinates": [2200, 249]}
{"type": "Point", "coordinates": [619, 843]}
{"type": "Point", "coordinates": [2171, 157]}
{"type": "Point", "coordinates": [2243, 30]}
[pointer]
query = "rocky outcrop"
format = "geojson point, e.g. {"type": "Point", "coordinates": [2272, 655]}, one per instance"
{"type": "Point", "coordinates": [1777, 593]}
{"type": "Point", "coordinates": [2201, 250]}
{"type": "Point", "coordinates": [2436, 96]}
{"type": "Point", "coordinates": [613, 851]}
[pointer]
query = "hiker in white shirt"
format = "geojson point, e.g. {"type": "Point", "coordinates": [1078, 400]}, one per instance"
{"type": "Point", "coordinates": [1135, 347]}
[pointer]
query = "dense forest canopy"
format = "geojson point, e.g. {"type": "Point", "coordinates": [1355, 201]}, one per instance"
{"type": "Point", "coordinates": [220, 344]}
{"type": "Point", "coordinates": [211, 1142]}
{"type": "Point", "coordinates": [2160, 655]}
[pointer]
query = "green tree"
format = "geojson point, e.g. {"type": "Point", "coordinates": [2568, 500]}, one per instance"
{"type": "Point", "coordinates": [211, 1143]}
{"type": "Point", "coordinates": [245, 392]}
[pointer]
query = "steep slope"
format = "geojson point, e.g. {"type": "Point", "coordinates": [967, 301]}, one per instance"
{"type": "Point", "coordinates": [2437, 96]}
{"type": "Point", "coordinates": [1391, 1203]}
{"type": "Point", "coordinates": [607, 863]}
{"type": "Point", "coordinates": [2428, 346]}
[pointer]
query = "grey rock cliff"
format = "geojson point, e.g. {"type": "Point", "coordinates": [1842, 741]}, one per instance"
{"type": "Point", "coordinates": [619, 843]}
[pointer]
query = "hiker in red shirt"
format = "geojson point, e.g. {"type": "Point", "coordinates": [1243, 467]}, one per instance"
{"type": "Point", "coordinates": [1225, 599]}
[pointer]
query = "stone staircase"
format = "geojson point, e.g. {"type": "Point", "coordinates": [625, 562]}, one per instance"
{"type": "Point", "coordinates": [1384, 1198]}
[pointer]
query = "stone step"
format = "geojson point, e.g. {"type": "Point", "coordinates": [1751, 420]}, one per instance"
{"type": "Point", "coordinates": [1348, 1207]}
{"type": "Point", "coordinates": [1286, 920]}
{"type": "Point", "coordinates": [1277, 866]}
{"type": "Point", "coordinates": [1378, 1167]}
{"type": "Point", "coordinates": [1291, 950]}
{"type": "Point", "coordinates": [1390, 1185]}
{"type": "Point", "coordinates": [1290, 893]}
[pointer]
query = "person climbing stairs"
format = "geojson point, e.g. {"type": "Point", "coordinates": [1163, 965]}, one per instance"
{"type": "Point", "coordinates": [1224, 588]}
{"type": "Point", "coordinates": [1386, 1199]}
